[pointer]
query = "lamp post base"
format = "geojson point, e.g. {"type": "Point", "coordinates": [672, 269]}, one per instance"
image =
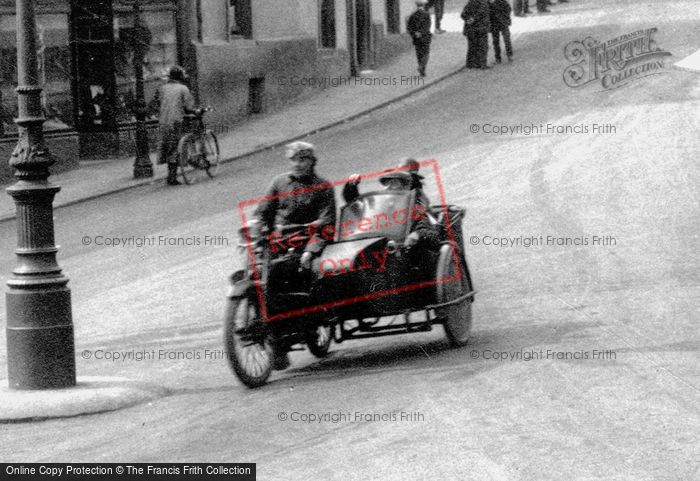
{"type": "Point", "coordinates": [40, 356]}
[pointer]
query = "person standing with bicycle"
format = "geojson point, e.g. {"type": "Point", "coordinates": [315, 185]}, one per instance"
{"type": "Point", "coordinates": [176, 101]}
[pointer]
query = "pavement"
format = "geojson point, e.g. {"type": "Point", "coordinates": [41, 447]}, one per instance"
{"type": "Point", "coordinates": [320, 110]}
{"type": "Point", "coordinates": [90, 395]}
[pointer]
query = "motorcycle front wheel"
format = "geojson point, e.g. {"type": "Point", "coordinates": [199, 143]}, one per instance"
{"type": "Point", "coordinates": [247, 342]}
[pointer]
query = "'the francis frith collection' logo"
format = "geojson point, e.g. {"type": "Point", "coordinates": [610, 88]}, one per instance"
{"type": "Point", "coordinates": [615, 62]}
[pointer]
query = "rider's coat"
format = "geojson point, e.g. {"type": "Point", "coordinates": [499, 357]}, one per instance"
{"type": "Point", "coordinates": [295, 199]}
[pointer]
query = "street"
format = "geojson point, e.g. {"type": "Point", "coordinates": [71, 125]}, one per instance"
{"type": "Point", "coordinates": [582, 233]}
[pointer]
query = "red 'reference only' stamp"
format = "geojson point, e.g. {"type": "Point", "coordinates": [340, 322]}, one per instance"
{"type": "Point", "coordinates": [362, 257]}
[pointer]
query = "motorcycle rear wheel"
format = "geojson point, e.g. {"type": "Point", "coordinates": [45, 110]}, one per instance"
{"type": "Point", "coordinates": [319, 341]}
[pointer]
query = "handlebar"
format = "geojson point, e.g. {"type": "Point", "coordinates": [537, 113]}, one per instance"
{"type": "Point", "coordinates": [199, 113]}
{"type": "Point", "coordinates": [287, 228]}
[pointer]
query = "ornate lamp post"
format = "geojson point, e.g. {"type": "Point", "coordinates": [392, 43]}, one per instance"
{"type": "Point", "coordinates": [141, 41]}
{"type": "Point", "coordinates": [40, 350]}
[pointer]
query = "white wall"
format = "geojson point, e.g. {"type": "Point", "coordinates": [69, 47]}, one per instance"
{"type": "Point", "coordinates": [214, 21]}
{"type": "Point", "coordinates": [277, 19]}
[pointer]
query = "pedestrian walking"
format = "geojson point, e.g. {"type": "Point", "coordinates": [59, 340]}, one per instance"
{"type": "Point", "coordinates": [521, 7]}
{"type": "Point", "coordinates": [477, 25]}
{"type": "Point", "coordinates": [418, 27]}
{"type": "Point", "coordinates": [175, 101]}
{"type": "Point", "coordinates": [438, 7]}
{"type": "Point", "coordinates": [500, 27]}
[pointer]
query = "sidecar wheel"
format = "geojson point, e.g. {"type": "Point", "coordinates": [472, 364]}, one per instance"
{"type": "Point", "coordinates": [247, 342]}
{"type": "Point", "coordinates": [319, 341]}
{"type": "Point", "coordinates": [457, 318]}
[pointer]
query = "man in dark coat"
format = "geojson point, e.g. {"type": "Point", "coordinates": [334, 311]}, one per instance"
{"type": "Point", "coordinates": [418, 27]}
{"type": "Point", "coordinates": [477, 25]}
{"type": "Point", "coordinates": [500, 22]}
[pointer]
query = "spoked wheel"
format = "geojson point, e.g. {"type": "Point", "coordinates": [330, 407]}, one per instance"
{"type": "Point", "coordinates": [247, 342]}
{"type": "Point", "coordinates": [453, 283]}
{"type": "Point", "coordinates": [211, 149]}
{"type": "Point", "coordinates": [319, 341]}
{"type": "Point", "coordinates": [186, 157]}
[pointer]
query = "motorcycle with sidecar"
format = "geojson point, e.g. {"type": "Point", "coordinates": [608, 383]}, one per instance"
{"type": "Point", "coordinates": [366, 283]}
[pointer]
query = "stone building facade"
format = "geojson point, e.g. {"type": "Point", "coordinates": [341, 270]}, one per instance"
{"type": "Point", "coordinates": [244, 57]}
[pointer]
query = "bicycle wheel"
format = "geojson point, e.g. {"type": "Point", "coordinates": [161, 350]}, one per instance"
{"type": "Point", "coordinates": [211, 151]}
{"type": "Point", "coordinates": [187, 158]}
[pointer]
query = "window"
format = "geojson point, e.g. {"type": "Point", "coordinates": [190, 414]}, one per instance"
{"type": "Point", "coordinates": [240, 19]}
{"type": "Point", "coordinates": [327, 23]}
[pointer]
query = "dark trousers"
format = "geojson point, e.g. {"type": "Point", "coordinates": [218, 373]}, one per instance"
{"type": "Point", "coordinates": [541, 5]}
{"type": "Point", "coordinates": [170, 137]}
{"type": "Point", "coordinates": [439, 6]}
{"type": "Point", "coordinates": [521, 6]}
{"type": "Point", "coordinates": [477, 48]}
{"type": "Point", "coordinates": [422, 54]}
{"type": "Point", "coordinates": [496, 38]}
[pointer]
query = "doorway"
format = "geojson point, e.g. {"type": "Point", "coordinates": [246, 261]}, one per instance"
{"type": "Point", "coordinates": [393, 19]}
{"type": "Point", "coordinates": [94, 80]}
{"type": "Point", "coordinates": [363, 26]}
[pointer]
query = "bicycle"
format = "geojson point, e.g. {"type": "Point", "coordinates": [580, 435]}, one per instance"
{"type": "Point", "coordinates": [198, 149]}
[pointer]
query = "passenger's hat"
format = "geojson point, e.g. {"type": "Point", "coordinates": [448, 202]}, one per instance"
{"type": "Point", "coordinates": [395, 174]}
{"type": "Point", "coordinates": [411, 166]}
{"type": "Point", "coordinates": [303, 149]}
{"type": "Point", "coordinates": [177, 73]}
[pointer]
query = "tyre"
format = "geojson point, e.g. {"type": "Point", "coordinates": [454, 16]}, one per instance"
{"type": "Point", "coordinates": [211, 149]}
{"type": "Point", "coordinates": [319, 341]}
{"type": "Point", "coordinates": [187, 156]}
{"type": "Point", "coordinates": [456, 318]}
{"type": "Point", "coordinates": [247, 343]}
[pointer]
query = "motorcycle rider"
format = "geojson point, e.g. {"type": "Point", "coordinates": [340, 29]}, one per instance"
{"type": "Point", "coordinates": [298, 197]}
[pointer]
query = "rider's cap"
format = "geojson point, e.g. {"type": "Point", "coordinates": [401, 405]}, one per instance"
{"type": "Point", "coordinates": [303, 149]}
{"type": "Point", "coordinates": [395, 174]}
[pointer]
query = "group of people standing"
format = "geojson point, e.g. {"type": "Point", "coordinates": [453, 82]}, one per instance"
{"type": "Point", "coordinates": [481, 17]}
{"type": "Point", "coordinates": [522, 7]}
